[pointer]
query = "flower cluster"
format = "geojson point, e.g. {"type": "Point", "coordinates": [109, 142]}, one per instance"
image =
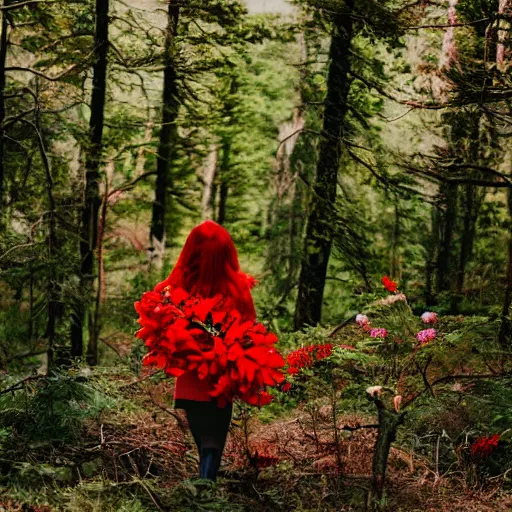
{"type": "Point", "coordinates": [364, 323]}
{"type": "Point", "coordinates": [186, 333]}
{"type": "Point", "coordinates": [426, 335]}
{"type": "Point", "coordinates": [378, 333]}
{"type": "Point", "coordinates": [483, 446]}
{"type": "Point", "coordinates": [429, 317]}
{"type": "Point", "coordinates": [305, 357]}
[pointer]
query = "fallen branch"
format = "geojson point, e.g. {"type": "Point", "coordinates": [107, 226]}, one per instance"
{"type": "Point", "coordinates": [340, 326]}
{"type": "Point", "coordinates": [142, 379]}
{"type": "Point", "coordinates": [169, 411]}
{"type": "Point", "coordinates": [448, 378]}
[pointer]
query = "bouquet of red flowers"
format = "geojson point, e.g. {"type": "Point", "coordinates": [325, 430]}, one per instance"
{"type": "Point", "coordinates": [190, 333]}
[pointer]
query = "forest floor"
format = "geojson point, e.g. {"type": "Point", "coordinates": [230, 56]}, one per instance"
{"type": "Point", "coordinates": [138, 456]}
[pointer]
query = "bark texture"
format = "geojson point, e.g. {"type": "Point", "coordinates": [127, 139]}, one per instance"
{"type": "Point", "coordinates": [167, 142]}
{"type": "Point", "coordinates": [3, 58]}
{"type": "Point", "coordinates": [319, 225]}
{"type": "Point", "coordinates": [389, 422]}
{"type": "Point", "coordinates": [92, 200]}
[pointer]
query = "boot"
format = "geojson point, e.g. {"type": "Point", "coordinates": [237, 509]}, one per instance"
{"type": "Point", "coordinates": [209, 463]}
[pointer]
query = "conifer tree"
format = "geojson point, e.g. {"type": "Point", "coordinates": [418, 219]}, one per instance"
{"type": "Point", "coordinates": [347, 21]}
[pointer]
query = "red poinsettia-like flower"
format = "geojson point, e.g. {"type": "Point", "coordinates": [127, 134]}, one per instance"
{"type": "Point", "coordinates": [185, 333]}
{"type": "Point", "coordinates": [390, 285]}
{"type": "Point", "coordinates": [483, 446]}
{"type": "Point", "coordinates": [306, 357]}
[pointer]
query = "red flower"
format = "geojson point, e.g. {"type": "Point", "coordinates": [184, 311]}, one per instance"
{"type": "Point", "coordinates": [157, 359]}
{"type": "Point", "coordinates": [305, 357]}
{"type": "Point", "coordinates": [286, 387]}
{"type": "Point", "coordinates": [483, 446]}
{"type": "Point", "coordinates": [189, 333]}
{"type": "Point", "coordinates": [259, 399]}
{"type": "Point", "coordinates": [390, 286]}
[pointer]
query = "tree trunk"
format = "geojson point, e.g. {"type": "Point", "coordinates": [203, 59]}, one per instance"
{"type": "Point", "coordinates": [224, 185]}
{"type": "Point", "coordinates": [3, 58]}
{"type": "Point", "coordinates": [209, 176]}
{"type": "Point", "coordinates": [319, 225]}
{"type": "Point", "coordinates": [225, 163]}
{"type": "Point", "coordinates": [506, 324]}
{"type": "Point", "coordinates": [167, 143]}
{"type": "Point", "coordinates": [445, 256]}
{"type": "Point", "coordinates": [389, 421]}
{"type": "Point", "coordinates": [395, 256]}
{"type": "Point", "coordinates": [472, 198]}
{"type": "Point", "coordinates": [432, 247]}
{"type": "Point", "coordinates": [505, 7]}
{"type": "Point", "coordinates": [52, 282]}
{"type": "Point", "coordinates": [471, 208]}
{"type": "Point", "coordinates": [140, 160]}
{"type": "Point", "coordinates": [89, 226]}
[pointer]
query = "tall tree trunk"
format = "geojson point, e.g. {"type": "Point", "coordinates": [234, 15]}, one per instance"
{"type": "Point", "coordinates": [445, 218]}
{"type": "Point", "coordinates": [140, 160]}
{"type": "Point", "coordinates": [3, 58]}
{"type": "Point", "coordinates": [432, 246]}
{"type": "Point", "coordinates": [295, 229]}
{"type": "Point", "coordinates": [89, 226]}
{"type": "Point", "coordinates": [395, 256]}
{"type": "Point", "coordinates": [209, 176]}
{"type": "Point", "coordinates": [471, 208]}
{"type": "Point", "coordinates": [470, 131]}
{"type": "Point", "coordinates": [224, 181]}
{"type": "Point", "coordinates": [225, 163]}
{"type": "Point", "coordinates": [52, 282]}
{"type": "Point", "coordinates": [319, 227]}
{"type": "Point", "coordinates": [505, 8]}
{"type": "Point", "coordinates": [445, 256]}
{"type": "Point", "coordinates": [167, 143]}
{"type": "Point", "coordinates": [504, 336]}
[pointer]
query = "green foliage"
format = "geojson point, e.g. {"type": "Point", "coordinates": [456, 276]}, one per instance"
{"type": "Point", "coordinates": [243, 82]}
{"type": "Point", "coordinates": [50, 409]}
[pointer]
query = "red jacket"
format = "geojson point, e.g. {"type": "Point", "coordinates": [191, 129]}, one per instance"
{"type": "Point", "coordinates": [190, 387]}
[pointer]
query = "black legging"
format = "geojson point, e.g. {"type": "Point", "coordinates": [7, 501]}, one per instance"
{"type": "Point", "coordinates": [209, 425]}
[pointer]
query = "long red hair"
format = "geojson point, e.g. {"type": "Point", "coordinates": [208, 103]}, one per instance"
{"type": "Point", "coordinates": [208, 265]}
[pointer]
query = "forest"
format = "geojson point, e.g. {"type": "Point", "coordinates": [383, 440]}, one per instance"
{"type": "Point", "coordinates": [358, 153]}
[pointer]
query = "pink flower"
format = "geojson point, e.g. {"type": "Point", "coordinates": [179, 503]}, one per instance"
{"type": "Point", "coordinates": [426, 336]}
{"type": "Point", "coordinates": [362, 320]}
{"type": "Point", "coordinates": [378, 333]}
{"type": "Point", "coordinates": [429, 317]}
